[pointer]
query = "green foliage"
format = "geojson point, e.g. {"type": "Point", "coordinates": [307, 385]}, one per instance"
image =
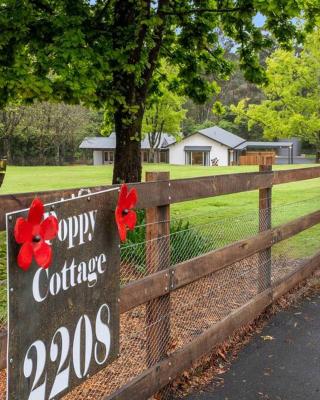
{"type": "Point", "coordinates": [291, 107]}
{"type": "Point", "coordinates": [72, 50]}
{"type": "Point", "coordinates": [218, 108]}
{"type": "Point", "coordinates": [105, 53]}
{"type": "Point", "coordinates": [139, 233]}
{"type": "Point", "coordinates": [224, 123]}
{"type": "Point", "coordinates": [188, 126]}
{"type": "Point", "coordinates": [45, 133]}
{"type": "Point", "coordinates": [185, 243]}
{"type": "Point", "coordinates": [164, 112]}
{"type": "Point", "coordinates": [228, 125]}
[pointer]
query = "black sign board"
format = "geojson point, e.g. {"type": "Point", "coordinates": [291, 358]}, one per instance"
{"type": "Point", "coordinates": [64, 320]}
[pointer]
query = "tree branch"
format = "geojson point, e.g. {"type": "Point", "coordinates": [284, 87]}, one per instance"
{"type": "Point", "coordinates": [142, 34]}
{"type": "Point", "coordinates": [205, 10]}
{"type": "Point", "coordinates": [154, 52]}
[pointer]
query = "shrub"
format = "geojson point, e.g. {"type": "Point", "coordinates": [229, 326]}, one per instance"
{"type": "Point", "coordinates": [185, 242]}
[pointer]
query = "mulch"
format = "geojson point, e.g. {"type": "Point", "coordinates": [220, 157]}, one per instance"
{"type": "Point", "coordinates": [193, 309]}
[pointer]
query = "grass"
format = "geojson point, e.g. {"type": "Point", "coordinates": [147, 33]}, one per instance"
{"type": "Point", "coordinates": [28, 179]}
{"type": "Point", "coordinates": [238, 210]}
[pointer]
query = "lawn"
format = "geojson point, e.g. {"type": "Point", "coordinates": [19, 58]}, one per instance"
{"type": "Point", "coordinates": [222, 219]}
{"type": "Point", "coordinates": [26, 179]}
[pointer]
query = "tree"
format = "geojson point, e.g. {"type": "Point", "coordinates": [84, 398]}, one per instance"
{"type": "Point", "coordinates": [106, 53]}
{"type": "Point", "coordinates": [10, 118]}
{"type": "Point", "coordinates": [291, 107]}
{"type": "Point", "coordinates": [63, 124]}
{"type": "Point", "coordinates": [163, 114]}
{"type": "Point", "coordinates": [44, 132]}
{"type": "Point", "coordinates": [232, 90]}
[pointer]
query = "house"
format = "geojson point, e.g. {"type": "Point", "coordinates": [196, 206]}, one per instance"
{"type": "Point", "coordinates": [217, 146]}
{"type": "Point", "coordinates": [206, 147]}
{"type": "Point", "coordinates": [104, 147]}
{"type": "Point", "coordinates": [199, 148]}
{"type": "Point", "coordinates": [202, 147]}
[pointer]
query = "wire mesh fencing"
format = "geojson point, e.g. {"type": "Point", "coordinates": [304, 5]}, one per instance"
{"type": "Point", "coordinates": [187, 239]}
{"type": "Point", "coordinates": [199, 305]}
{"type": "Point", "coordinates": [193, 309]}
{"type": "Point", "coordinates": [151, 332]}
{"type": "Point", "coordinates": [196, 234]}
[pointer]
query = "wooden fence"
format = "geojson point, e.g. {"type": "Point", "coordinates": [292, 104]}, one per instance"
{"type": "Point", "coordinates": [258, 158]}
{"type": "Point", "coordinates": [3, 167]}
{"type": "Point", "coordinates": [163, 279]}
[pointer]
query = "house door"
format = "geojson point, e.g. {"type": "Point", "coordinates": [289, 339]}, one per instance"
{"type": "Point", "coordinates": [197, 157]}
{"type": "Point", "coordinates": [108, 157]}
{"type": "Point", "coordinates": [164, 156]}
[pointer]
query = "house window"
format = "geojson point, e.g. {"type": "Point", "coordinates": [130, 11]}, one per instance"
{"type": "Point", "coordinates": [108, 157]}
{"type": "Point", "coordinates": [197, 157]}
{"type": "Point", "coordinates": [145, 156]}
{"type": "Point", "coordinates": [164, 156]}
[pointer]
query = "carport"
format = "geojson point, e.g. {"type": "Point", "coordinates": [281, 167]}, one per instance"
{"type": "Point", "coordinates": [265, 146]}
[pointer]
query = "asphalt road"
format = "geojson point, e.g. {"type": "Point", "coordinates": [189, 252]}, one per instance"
{"type": "Point", "coordinates": [281, 363]}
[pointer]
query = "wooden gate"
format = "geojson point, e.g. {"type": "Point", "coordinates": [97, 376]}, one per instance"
{"type": "Point", "coordinates": [258, 158]}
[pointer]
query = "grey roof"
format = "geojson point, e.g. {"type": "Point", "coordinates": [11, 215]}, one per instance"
{"type": "Point", "coordinates": [99, 143]}
{"type": "Point", "coordinates": [103, 143]}
{"type": "Point", "coordinates": [197, 148]}
{"type": "Point", "coordinates": [167, 140]}
{"type": "Point", "coordinates": [263, 145]}
{"type": "Point", "coordinates": [222, 136]}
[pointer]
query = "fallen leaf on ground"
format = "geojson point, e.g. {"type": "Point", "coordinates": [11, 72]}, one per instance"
{"type": "Point", "coordinates": [222, 355]}
{"type": "Point", "coordinates": [267, 337]}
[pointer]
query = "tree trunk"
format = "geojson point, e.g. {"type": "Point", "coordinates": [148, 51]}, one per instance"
{"type": "Point", "coordinates": [128, 124]}
{"type": "Point", "coordinates": [152, 155]}
{"type": "Point", "coordinates": [127, 163]}
{"type": "Point", "coordinates": [57, 158]}
{"type": "Point", "coordinates": [7, 148]}
{"type": "Point", "coordinates": [318, 156]}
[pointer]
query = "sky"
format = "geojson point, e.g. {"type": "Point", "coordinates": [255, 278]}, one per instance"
{"type": "Point", "coordinates": [259, 20]}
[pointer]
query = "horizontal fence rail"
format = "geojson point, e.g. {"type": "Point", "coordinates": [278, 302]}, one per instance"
{"type": "Point", "coordinates": [153, 194]}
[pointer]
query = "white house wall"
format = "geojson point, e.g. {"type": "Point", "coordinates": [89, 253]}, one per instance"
{"type": "Point", "coordinates": [177, 153]}
{"type": "Point", "coordinates": [97, 157]}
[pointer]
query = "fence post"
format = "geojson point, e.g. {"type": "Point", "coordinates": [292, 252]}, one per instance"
{"type": "Point", "coordinates": [158, 258]}
{"type": "Point", "coordinates": [3, 167]}
{"type": "Point", "coordinates": [265, 223]}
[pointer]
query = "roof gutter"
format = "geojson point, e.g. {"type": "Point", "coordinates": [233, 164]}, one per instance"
{"type": "Point", "coordinates": [235, 147]}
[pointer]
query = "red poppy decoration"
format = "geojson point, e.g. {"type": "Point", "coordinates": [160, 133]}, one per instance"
{"type": "Point", "coordinates": [125, 216]}
{"type": "Point", "coordinates": [32, 233]}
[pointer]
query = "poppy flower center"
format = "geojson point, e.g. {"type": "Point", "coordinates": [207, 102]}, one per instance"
{"type": "Point", "coordinates": [125, 211]}
{"type": "Point", "coordinates": [36, 239]}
